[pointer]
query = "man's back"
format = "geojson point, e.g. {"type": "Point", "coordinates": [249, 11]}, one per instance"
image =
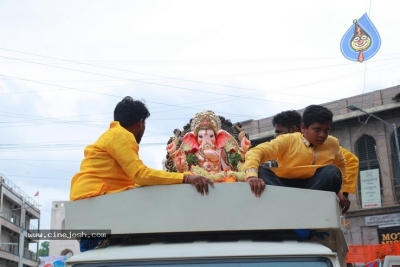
{"type": "Point", "coordinates": [112, 165]}
{"type": "Point", "coordinates": [101, 172]}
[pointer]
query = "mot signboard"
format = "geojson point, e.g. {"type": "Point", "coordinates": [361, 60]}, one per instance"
{"type": "Point", "coordinates": [389, 235]}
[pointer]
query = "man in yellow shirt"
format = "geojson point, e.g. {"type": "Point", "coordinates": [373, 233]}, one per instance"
{"type": "Point", "coordinates": [290, 122]}
{"type": "Point", "coordinates": [311, 159]}
{"type": "Point", "coordinates": [112, 163]}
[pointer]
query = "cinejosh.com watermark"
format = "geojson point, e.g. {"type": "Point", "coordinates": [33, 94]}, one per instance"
{"type": "Point", "coordinates": [68, 234]}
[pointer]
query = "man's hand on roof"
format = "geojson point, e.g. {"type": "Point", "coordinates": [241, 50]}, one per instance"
{"type": "Point", "coordinates": [344, 202]}
{"type": "Point", "coordinates": [200, 182]}
{"type": "Point", "coordinates": [257, 185]}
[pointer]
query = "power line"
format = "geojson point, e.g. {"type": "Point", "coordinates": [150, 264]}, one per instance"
{"type": "Point", "coordinates": [160, 76]}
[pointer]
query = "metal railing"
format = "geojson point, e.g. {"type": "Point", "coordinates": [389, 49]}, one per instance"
{"type": "Point", "coordinates": [30, 228]}
{"type": "Point", "coordinates": [13, 249]}
{"type": "Point", "coordinates": [11, 217]}
{"type": "Point", "coordinates": [10, 248]}
{"type": "Point", "coordinates": [30, 255]}
{"type": "Point", "coordinates": [15, 219]}
{"type": "Point", "coordinates": [18, 191]}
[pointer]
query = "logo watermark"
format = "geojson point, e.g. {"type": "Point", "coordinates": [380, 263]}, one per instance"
{"type": "Point", "coordinates": [67, 234]}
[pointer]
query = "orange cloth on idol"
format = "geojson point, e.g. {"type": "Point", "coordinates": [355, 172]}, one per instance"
{"type": "Point", "coordinates": [112, 164]}
{"type": "Point", "coordinates": [230, 179]}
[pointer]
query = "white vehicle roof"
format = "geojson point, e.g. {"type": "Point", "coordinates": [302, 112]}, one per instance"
{"type": "Point", "coordinates": [201, 250]}
{"type": "Point", "coordinates": [228, 207]}
{"type": "Point", "coordinates": [391, 261]}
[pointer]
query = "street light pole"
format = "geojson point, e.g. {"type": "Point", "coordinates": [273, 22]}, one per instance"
{"type": "Point", "coordinates": [393, 125]}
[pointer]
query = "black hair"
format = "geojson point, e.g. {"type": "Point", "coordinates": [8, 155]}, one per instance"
{"type": "Point", "coordinates": [316, 113]}
{"type": "Point", "coordinates": [287, 119]}
{"type": "Point", "coordinates": [129, 111]}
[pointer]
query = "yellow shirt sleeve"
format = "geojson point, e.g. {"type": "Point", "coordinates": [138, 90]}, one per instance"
{"type": "Point", "coordinates": [297, 159]}
{"type": "Point", "coordinates": [264, 152]}
{"type": "Point", "coordinates": [124, 149]}
{"type": "Point", "coordinates": [352, 167]}
{"type": "Point", "coordinates": [339, 161]}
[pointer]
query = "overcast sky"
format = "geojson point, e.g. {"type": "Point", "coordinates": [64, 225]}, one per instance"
{"type": "Point", "coordinates": [64, 65]}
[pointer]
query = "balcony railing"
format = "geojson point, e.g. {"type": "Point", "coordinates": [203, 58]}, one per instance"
{"type": "Point", "coordinates": [30, 255]}
{"type": "Point", "coordinates": [11, 217]}
{"type": "Point", "coordinates": [15, 219]}
{"type": "Point", "coordinates": [13, 249]}
{"type": "Point", "coordinates": [10, 248]}
{"type": "Point", "coordinates": [18, 191]}
{"type": "Point", "coordinates": [30, 228]}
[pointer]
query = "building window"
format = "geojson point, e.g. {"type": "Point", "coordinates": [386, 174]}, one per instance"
{"type": "Point", "coordinates": [366, 153]}
{"type": "Point", "coordinates": [396, 165]}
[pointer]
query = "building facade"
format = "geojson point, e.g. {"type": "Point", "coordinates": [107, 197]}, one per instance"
{"type": "Point", "coordinates": [19, 215]}
{"type": "Point", "coordinates": [368, 126]}
{"type": "Point", "coordinates": [61, 247]}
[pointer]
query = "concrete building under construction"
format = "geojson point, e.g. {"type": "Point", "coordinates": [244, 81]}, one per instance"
{"type": "Point", "coordinates": [19, 215]}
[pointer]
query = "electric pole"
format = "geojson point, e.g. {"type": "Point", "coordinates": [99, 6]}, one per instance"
{"type": "Point", "coordinates": [21, 234]}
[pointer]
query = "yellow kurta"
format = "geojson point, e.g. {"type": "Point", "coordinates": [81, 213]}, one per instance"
{"type": "Point", "coordinates": [296, 158]}
{"type": "Point", "coordinates": [352, 166]}
{"type": "Point", "coordinates": [112, 164]}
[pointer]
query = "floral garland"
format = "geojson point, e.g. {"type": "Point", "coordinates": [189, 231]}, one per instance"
{"type": "Point", "coordinates": [234, 158]}
{"type": "Point", "coordinates": [221, 176]}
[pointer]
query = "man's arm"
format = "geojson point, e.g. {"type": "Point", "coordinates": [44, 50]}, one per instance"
{"type": "Point", "coordinates": [124, 149]}
{"type": "Point", "coordinates": [352, 167]}
{"type": "Point", "coordinates": [262, 153]}
{"type": "Point", "coordinates": [340, 162]}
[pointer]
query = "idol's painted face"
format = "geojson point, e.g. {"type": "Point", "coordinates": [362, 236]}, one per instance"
{"type": "Point", "coordinates": [206, 138]}
{"type": "Point", "coordinates": [360, 43]}
{"type": "Point", "coordinates": [316, 133]}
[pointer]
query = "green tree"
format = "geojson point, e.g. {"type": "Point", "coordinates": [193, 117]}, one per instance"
{"type": "Point", "coordinates": [44, 249]}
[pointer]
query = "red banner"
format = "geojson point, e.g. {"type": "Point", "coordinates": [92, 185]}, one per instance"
{"type": "Point", "coordinates": [368, 253]}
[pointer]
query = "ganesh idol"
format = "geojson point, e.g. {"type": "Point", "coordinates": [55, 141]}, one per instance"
{"type": "Point", "coordinates": [209, 151]}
